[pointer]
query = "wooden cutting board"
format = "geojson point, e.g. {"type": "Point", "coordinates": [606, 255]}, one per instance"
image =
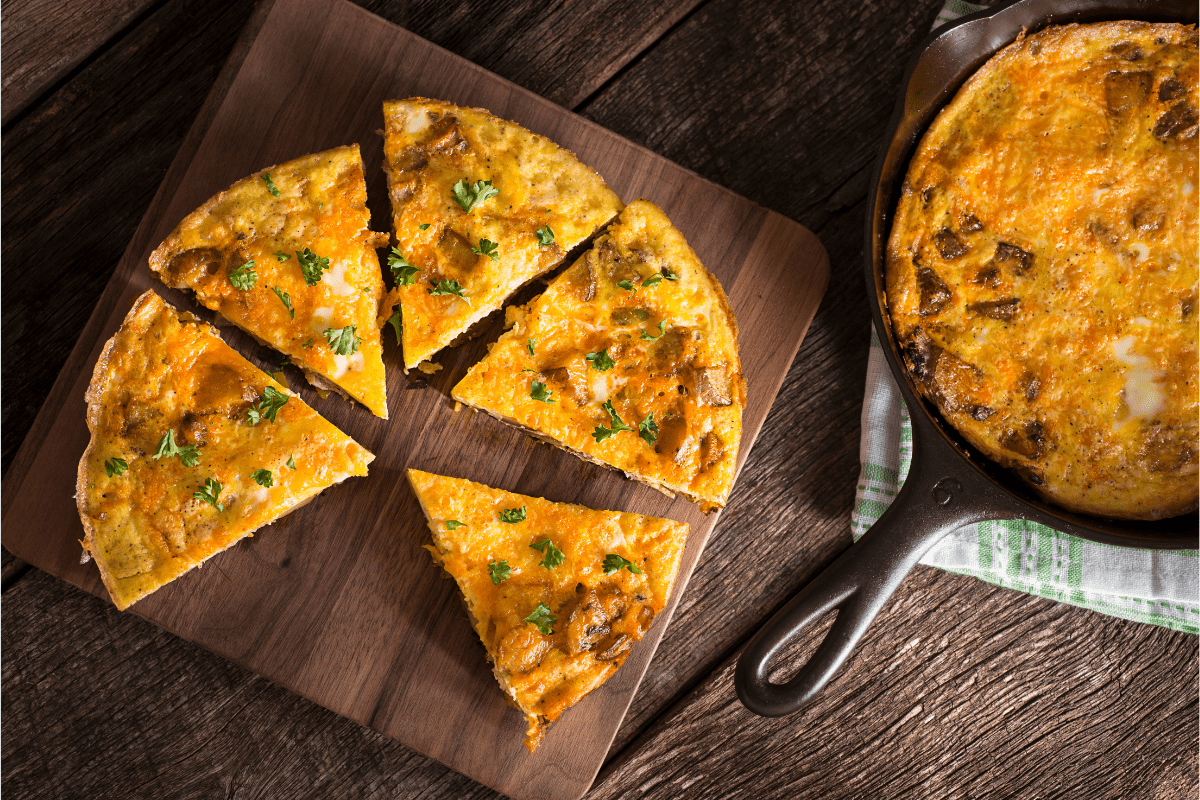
{"type": "Point", "coordinates": [338, 602]}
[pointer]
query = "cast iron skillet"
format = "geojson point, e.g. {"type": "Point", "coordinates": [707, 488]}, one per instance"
{"type": "Point", "coordinates": [949, 485]}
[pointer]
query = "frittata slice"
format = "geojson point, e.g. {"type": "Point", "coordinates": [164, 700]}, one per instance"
{"type": "Point", "coordinates": [286, 255]}
{"type": "Point", "coordinates": [481, 207]}
{"type": "Point", "coordinates": [629, 359]}
{"type": "Point", "coordinates": [558, 593]}
{"type": "Point", "coordinates": [192, 448]}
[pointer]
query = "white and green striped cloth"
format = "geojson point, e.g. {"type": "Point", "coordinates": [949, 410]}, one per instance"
{"type": "Point", "coordinates": [1157, 586]}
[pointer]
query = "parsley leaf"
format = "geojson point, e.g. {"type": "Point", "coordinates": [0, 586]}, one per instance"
{"type": "Point", "coordinates": [513, 515]}
{"type": "Point", "coordinates": [115, 466]}
{"type": "Point", "coordinates": [394, 321]}
{"type": "Point", "coordinates": [424, 226]}
{"type": "Point", "coordinates": [404, 271]}
{"type": "Point", "coordinates": [648, 430]}
{"type": "Point", "coordinates": [661, 331]}
{"type": "Point", "coordinates": [653, 279]}
{"type": "Point", "coordinates": [486, 248]}
{"type": "Point", "coordinates": [268, 405]}
{"type": "Point", "coordinates": [627, 285]}
{"type": "Point", "coordinates": [601, 361]}
{"type": "Point", "coordinates": [529, 346]}
{"type": "Point", "coordinates": [669, 275]}
{"type": "Point", "coordinates": [271, 187]}
{"type": "Point", "coordinates": [545, 235]}
{"type": "Point", "coordinates": [451, 524]}
{"type": "Point", "coordinates": [343, 341]}
{"type": "Point", "coordinates": [308, 344]}
{"type": "Point", "coordinates": [447, 287]}
{"type": "Point", "coordinates": [468, 196]}
{"type": "Point", "coordinates": [538, 391]}
{"type": "Point", "coordinates": [601, 433]}
{"type": "Point", "coordinates": [280, 256]}
{"type": "Point", "coordinates": [499, 571]}
{"type": "Point", "coordinates": [291, 462]}
{"type": "Point", "coordinates": [614, 563]}
{"type": "Point", "coordinates": [553, 556]}
{"type": "Point", "coordinates": [284, 298]}
{"type": "Point", "coordinates": [244, 277]}
{"type": "Point", "coordinates": [209, 492]}
{"type": "Point", "coordinates": [263, 477]}
{"type": "Point", "coordinates": [311, 266]}
{"type": "Point", "coordinates": [189, 455]}
{"type": "Point", "coordinates": [542, 617]}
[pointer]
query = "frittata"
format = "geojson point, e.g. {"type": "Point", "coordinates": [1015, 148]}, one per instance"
{"type": "Point", "coordinates": [481, 207]}
{"type": "Point", "coordinates": [286, 255]}
{"type": "Point", "coordinates": [629, 359]}
{"type": "Point", "coordinates": [558, 593]}
{"type": "Point", "coordinates": [1042, 267]}
{"type": "Point", "coordinates": [192, 448]}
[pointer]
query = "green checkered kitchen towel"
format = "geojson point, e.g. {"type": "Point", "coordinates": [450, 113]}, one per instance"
{"type": "Point", "coordinates": [1161, 587]}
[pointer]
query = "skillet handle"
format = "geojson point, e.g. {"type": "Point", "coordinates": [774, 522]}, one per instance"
{"type": "Point", "coordinates": [858, 584]}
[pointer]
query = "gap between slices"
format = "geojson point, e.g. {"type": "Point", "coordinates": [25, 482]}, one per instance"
{"type": "Point", "coordinates": [629, 359]}
{"type": "Point", "coordinates": [286, 255]}
{"type": "Point", "coordinates": [558, 593]}
{"type": "Point", "coordinates": [192, 449]}
{"type": "Point", "coordinates": [481, 206]}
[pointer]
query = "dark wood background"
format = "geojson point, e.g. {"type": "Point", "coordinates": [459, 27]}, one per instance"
{"type": "Point", "coordinates": [959, 690]}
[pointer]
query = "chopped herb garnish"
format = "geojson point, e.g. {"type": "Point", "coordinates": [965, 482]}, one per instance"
{"type": "Point", "coordinates": [189, 455]}
{"type": "Point", "coordinates": [513, 515]}
{"type": "Point", "coordinates": [669, 275]}
{"type": "Point", "coordinates": [424, 226]}
{"type": "Point", "coordinates": [627, 285]}
{"type": "Point", "coordinates": [308, 344]}
{"type": "Point", "coordinates": [601, 433]}
{"type": "Point", "coordinates": [268, 405]}
{"type": "Point", "coordinates": [538, 391]}
{"type": "Point", "coordinates": [342, 341]}
{"type": "Point", "coordinates": [263, 477]}
{"type": "Point", "coordinates": [404, 271]}
{"type": "Point", "coordinates": [394, 321]}
{"type": "Point", "coordinates": [468, 196]}
{"type": "Point", "coordinates": [486, 248]}
{"type": "Point", "coordinates": [499, 571]}
{"type": "Point", "coordinates": [244, 277]}
{"type": "Point", "coordinates": [271, 187]}
{"type": "Point", "coordinates": [661, 331]}
{"type": "Point", "coordinates": [284, 298]}
{"type": "Point", "coordinates": [311, 266]}
{"type": "Point", "coordinates": [553, 556]}
{"type": "Point", "coordinates": [648, 430]}
{"type": "Point", "coordinates": [280, 256]}
{"type": "Point", "coordinates": [451, 524]}
{"type": "Point", "coordinates": [542, 617]}
{"type": "Point", "coordinates": [601, 361]}
{"type": "Point", "coordinates": [529, 346]}
{"type": "Point", "coordinates": [653, 279]}
{"type": "Point", "coordinates": [614, 563]}
{"type": "Point", "coordinates": [209, 492]}
{"type": "Point", "coordinates": [545, 235]}
{"type": "Point", "coordinates": [291, 462]}
{"type": "Point", "coordinates": [115, 467]}
{"type": "Point", "coordinates": [447, 287]}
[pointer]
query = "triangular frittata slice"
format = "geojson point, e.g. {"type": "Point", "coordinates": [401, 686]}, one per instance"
{"type": "Point", "coordinates": [286, 255]}
{"type": "Point", "coordinates": [557, 592]}
{"type": "Point", "coordinates": [192, 449]}
{"type": "Point", "coordinates": [481, 207]}
{"type": "Point", "coordinates": [629, 359]}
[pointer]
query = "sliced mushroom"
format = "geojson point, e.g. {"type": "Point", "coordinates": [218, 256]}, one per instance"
{"type": "Point", "coordinates": [949, 245]}
{"type": "Point", "coordinates": [987, 276]}
{"type": "Point", "coordinates": [969, 223]}
{"type": "Point", "coordinates": [191, 266]}
{"type": "Point", "coordinates": [1170, 89]}
{"type": "Point", "coordinates": [456, 250]}
{"type": "Point", "coordinates": [980, 413]}
{"type": "Point", "coordinates": [996, 309]}
{"type": "Point", "coordinates": [935, 294]}
{"type": "Point", "coordinates": [1029, 442]}
{"type": "Point", "coordinates": [712, 450]}
{"type": "Point", "coordinates": [1013, 257]}
{"type": "Point", "coordinates": [712, 384]}
{"type": "Point", "coordinates": [1179, 122]}
{"type": "Point", "coordinates": [921, 354]}
{"type": "Point", "coordinates": [564, 382]}
{"type": "Point", "coordinates": [580, 280]}
{"type": "Point", "coordinates": [1124, 91]}
{"type": "Point", "coordinates": [1127, 50]}
{"type": "Point", "coordinates": [444, 137]}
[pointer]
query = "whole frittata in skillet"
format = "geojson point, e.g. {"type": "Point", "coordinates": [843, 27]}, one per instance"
{"type": "Point", "coordinates": [1042, 267]}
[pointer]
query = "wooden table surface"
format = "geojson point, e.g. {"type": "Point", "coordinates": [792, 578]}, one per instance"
{"type": "Point", "coordinates": [960, 689]}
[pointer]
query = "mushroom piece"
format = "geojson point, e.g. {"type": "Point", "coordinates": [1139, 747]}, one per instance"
{"type": "Point", "coordinates": [712, 384]}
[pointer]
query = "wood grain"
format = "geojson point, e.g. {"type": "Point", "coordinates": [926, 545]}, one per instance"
{"type": "Point", "coordinates": [339, 602]}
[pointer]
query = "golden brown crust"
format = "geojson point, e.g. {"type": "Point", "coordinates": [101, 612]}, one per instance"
{"type": "Point", "coordinates": [1042, 267]}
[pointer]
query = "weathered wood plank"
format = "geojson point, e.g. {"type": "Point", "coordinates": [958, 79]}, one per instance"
{"type": "Point", "coordinates": [43, 40]}
{"type": "Point", "coordinates": [960, 689]}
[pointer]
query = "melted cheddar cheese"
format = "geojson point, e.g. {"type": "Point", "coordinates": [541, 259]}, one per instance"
{"type": "Point", "coordinates": [642, 299]}
{"type": "Point", "coordinates": [429, 147]}
{"type": "Point", "coordinates": [1042, 268]}
{"type": "Point", "coordinates": [160, 373]}
{"type": "Point", "coordinates": [320, 208]}
{"type": "Point", "coordinates": [592, 618]}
